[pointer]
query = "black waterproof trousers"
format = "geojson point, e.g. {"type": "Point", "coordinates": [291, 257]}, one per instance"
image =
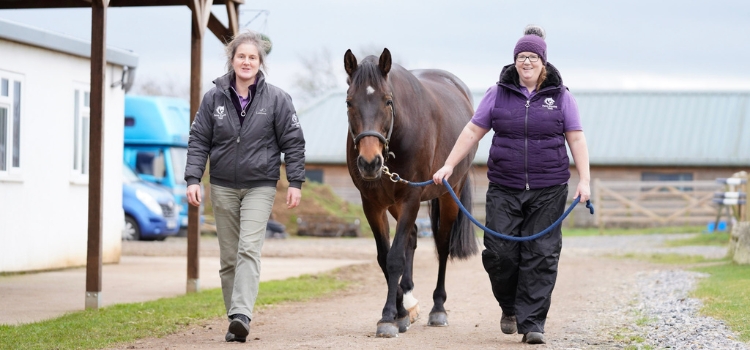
{"type": "Point", "coordinates": [523, 274]}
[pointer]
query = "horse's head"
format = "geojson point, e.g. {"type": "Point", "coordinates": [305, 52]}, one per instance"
{"type": "Point", "coordinates": [369, 103]}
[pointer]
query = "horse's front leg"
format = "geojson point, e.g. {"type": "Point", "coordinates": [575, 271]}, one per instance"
{"type": "Point", "coordinates": [395, 317]}
{"type": "Point", "coordinates": [409, 302]}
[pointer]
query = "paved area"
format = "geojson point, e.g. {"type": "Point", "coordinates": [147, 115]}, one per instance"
{"type": "Point", "coordinates": [38, 296]}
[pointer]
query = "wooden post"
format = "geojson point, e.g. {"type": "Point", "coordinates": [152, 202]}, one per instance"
{"type": "Point", "coordinates": [96, 136]}
{"type": "Point", "coordinates": [201, 9]}
{"type": "Point", "coordinates": [598, 221]}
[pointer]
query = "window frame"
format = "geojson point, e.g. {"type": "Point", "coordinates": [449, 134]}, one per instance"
{"type": "Point", "coordinates": [14, 121]}
{"type": "Point", "coordinates": [79, 163]}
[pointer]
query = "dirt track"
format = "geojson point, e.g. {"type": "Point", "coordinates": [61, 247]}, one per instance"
{"type": "Point", "coordinates": [589, 305]}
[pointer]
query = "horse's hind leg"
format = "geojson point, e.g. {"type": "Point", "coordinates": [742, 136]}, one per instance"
{"type": "Point", "coordinates": [406, 299]}
{"type": "Point", "coordinates": [444, 212]}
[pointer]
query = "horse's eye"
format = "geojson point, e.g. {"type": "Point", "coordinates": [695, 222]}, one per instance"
{"type": "Point", "coordinates": [389, 103]}
{"type": "Point", "coordinates": [348, 104]}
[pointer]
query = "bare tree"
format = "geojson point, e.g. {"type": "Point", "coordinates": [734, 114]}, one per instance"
{"type": "Point", "coordinates": [318, 77]}
{"type": "Point", "coordinates": [322, 73]}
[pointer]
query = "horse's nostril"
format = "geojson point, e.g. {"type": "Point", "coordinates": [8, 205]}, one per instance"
{"type": "Point", "coordinates": [369, 167]}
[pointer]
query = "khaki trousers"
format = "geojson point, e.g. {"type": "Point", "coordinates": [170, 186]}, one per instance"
{"type": "Point", "coordinates": [241, 216]}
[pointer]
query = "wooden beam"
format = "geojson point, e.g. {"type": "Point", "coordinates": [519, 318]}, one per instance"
{"type": "Point", "coordinates": [223, 33]}
{"type": "Point", "coordinates": [40, 4]}
{"type": "Point", "coordinates": [233, 14]}
{"type": "Point", "coordinates": [198, 9]}
{"type": "Point", "coordinates": [96, 136]}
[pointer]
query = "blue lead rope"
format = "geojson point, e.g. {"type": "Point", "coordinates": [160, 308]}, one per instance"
{"type": "Point", "coordinates": [395, 178]}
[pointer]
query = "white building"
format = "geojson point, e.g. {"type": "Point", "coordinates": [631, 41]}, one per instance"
{"type": "Point", "coordinates": [44, 122]}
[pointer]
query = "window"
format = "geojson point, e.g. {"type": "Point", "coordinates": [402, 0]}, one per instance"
{"type": "Point", "coordinates": [10, 122]}
{"type": "Point", "coordinates": [648, 176]}
{"type": "Point", "coordinates": [81, 125]}
{"type": "Point", "coordinates": [314, 175]}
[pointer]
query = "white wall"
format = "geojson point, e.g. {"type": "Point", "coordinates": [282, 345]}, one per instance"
{"type": "Point", "coordinates": [43, 212]}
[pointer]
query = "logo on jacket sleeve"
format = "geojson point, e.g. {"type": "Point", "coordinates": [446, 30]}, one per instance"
{"type": "Point", "coordinates": [220, 113]}
{"type": "Point", "coordinates": [295, 121]}
{"type": "Point", "coordinates": [549, 103]}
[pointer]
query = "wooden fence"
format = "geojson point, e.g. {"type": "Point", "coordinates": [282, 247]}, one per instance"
{"type": "Point", "coordinates": [654, 203]}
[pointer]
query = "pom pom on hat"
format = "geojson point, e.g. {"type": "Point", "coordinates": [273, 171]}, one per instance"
{"type": "Point", "coordinates": [532, 41]}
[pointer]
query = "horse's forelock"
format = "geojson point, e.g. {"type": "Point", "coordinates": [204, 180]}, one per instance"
{"type": "Point", "coordinates": [368, 74]}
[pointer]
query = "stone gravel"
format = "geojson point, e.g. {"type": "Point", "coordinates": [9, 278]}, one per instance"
{"type": "Point", "coordinates": [673, 319]}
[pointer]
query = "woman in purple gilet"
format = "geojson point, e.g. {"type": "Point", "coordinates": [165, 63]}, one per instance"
{"type": "Point", "coordinates": [532, 115]}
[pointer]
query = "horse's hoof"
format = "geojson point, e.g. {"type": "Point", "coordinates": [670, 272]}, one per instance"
{"type": "Point", "coordinates": [403, 324]}
{"type": "Point", "coordinates": [438, 319]}
{"type": "Point", "coordinates": [387, 330]}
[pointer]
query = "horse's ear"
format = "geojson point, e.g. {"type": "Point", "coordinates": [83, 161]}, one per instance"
{"type": "Point", "coordinates": [385, 62]}
{"type": "Point", "coordinates": [350, 62]}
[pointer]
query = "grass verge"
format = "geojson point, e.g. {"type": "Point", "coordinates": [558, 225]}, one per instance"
{"type": "Point", "coordinates": [726, 296]}
{"type": "Point", "coordinates": [672, 258]}
{"type": "Point", "coordinates": [93, 329]}
{"type": "Point", "coordinates": [708, 239]}
{"type": "Point", "coordinates": [574, 232]}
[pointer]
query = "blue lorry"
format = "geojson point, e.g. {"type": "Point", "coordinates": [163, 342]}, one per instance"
{"type": "Point", "coordinates": [156, 137]}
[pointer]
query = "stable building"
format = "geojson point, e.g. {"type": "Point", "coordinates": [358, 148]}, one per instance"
{"type": "Point", "coordinates": [44, 148]}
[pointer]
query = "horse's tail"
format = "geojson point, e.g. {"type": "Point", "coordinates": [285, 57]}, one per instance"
{"type": "Point", "coordinates": [463, 241]}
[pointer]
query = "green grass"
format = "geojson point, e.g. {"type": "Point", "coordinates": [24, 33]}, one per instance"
{"type": "Point", "coordinates": [709, 239]}
{"type": "Point", "coordinates": [672, 258]}
{"type": "Point", "coordinates": [574, 232]}
{"type": "Point", "coordinates": [726, 296]}
{"type": "Point", "coordinates": [93, 329]}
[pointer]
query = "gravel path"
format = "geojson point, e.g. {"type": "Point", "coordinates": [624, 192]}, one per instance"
{"type": "Point", "coordinates": [596, 299]}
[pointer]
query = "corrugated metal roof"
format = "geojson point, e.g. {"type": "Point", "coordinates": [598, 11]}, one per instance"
{"type": "Point", "coordinates": [666, 128]}
{"type": "Point", "coordinates": [622, 128]}
{"type": "Point", "coordinates": [59, 42]}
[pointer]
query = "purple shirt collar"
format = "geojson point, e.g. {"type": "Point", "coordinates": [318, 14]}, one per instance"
{"type": "Point", "coordinates": [251, 92]}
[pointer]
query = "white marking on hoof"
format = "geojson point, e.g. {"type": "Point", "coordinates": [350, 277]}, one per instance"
{"type": "Point", "coordinates": [370, 90]}
{"type": "Point", "coordinates": [409, 300]}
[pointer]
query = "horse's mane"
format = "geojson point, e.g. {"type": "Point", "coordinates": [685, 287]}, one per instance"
{"type": "Point", "coordinates": [368, 74]}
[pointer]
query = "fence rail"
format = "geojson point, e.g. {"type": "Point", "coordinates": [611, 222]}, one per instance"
{"type": "Point", "coordinates": [654, 203]}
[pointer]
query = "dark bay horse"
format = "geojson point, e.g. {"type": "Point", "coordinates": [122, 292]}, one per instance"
{"type": "Point", "coordinates": [408, 122]}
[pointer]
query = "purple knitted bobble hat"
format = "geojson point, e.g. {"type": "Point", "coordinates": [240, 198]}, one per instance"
{"type": "Point", "coordinates": [532, 41]}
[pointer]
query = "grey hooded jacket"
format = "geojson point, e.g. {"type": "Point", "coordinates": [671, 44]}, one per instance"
{"type": "Point", "coordinates": [247, 155]}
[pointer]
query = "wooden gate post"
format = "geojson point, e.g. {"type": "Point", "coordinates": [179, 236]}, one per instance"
{"type": "Point", "coordinates": [598, 200]}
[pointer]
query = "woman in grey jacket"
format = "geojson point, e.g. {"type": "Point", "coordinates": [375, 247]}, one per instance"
{"type": "Point", "coordinates": [242, 126]}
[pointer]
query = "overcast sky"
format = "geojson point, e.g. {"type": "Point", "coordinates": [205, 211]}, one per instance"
{"type": "Point", "coordinates": [629, 44]}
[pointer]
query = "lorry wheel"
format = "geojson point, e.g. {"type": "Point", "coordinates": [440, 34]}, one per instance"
{"type": "Point", "coordinates": [131, 232]}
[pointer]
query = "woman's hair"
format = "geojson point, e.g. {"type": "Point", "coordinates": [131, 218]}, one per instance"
{"type": "Point", "coordinates": [542, 77]}
{"type": "Point", "coordinates": [248, 37]}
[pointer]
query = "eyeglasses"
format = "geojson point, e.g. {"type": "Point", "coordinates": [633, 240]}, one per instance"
{"type": "Point", "coordinates": [532, 58]}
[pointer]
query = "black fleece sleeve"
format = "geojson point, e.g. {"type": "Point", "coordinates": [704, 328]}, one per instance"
{"type": "Point", "coordinates": [291, 140]}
